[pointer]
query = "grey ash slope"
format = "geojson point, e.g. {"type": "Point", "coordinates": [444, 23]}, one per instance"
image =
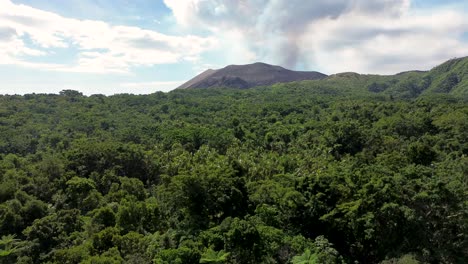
{"type": "Point", "coordinates": [198, 78]}
{"type": "Point", "coordinates": [247, 76]}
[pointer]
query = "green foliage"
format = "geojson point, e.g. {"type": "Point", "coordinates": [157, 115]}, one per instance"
{"type": "Point", "coordinates": [76, 254]}
{"type": "Point", "coordinates": [9, 247]}
{"type": "Point", "coordinates": [112, 256]}
{"type": "Point", "coordinates": [350, 169]}
{"type": "Point", "coordinates": [306, 258]}
{"type": "Point", "coordinates": [180, 255]}
{"type": "Point", "coordinates": [216, 257]}
{"type": "Point", "coordinates": [406, 259]}
{"type": "Point", "coordinates": [104, 217]}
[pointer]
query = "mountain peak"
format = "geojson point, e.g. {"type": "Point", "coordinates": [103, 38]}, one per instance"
{"type": "Point", "coordinates": [247, 76]}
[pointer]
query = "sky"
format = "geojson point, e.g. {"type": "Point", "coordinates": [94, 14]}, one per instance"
{"type": "Point", "coordinates": [144, 46]}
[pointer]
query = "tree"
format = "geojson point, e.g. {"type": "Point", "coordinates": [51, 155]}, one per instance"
{"type": "Point", "coordinates": [215, 257]}
{"type": "Point", "coordinates": [9, 247]}
{"type": "Point", "coordinates": [306, 258]}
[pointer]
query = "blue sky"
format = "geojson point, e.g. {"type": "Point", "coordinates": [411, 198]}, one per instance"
{"type": "Point", "coordinates": [143, 46]}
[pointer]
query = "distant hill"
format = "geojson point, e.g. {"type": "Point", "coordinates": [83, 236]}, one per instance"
{"type": "Point", "coordinates": [449, 80]}
{"type": "Point", "coordinates": [450, 77]}
{"type": "Point", "coordinates": [247, 76]}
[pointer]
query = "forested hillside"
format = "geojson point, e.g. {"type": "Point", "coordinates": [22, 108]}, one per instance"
{"type": "Point", "coordinates": [349, 169]}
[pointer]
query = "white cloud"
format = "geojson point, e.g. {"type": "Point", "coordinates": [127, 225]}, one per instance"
{"type": "Point", "coordinates": [379, 36]}
{"type": "Point", "coordinates": [25, 87]}
{"type": "Point", "coordinates": [151, 87]}
{"type": "Point", "coordinates": [101, 47]}
{"type": "Point", "coordinates": [12, 46]}
{"type": "Point", "coordinates": [383, 44]}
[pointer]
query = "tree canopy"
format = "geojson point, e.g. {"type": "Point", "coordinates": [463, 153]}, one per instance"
{"type": "Point", "coordinates": [291, 173]}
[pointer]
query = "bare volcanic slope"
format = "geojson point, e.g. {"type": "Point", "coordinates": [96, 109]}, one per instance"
{"type": "Point", "coordinates": [247, 76]}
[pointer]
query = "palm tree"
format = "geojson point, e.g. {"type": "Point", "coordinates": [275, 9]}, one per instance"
{"type": "Point", "coordinates": [8, 248]}
{"type": "Point", "coordinates": [215, 257]}
{"type": "Point", "coordinates": [306, 258]}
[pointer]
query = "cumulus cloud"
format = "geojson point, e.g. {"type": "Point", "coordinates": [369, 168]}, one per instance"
{"type": "Point", "coordinates": [102, 47]}
{"type": "Point", "coordinates": [385, 44]}
{"type": "Point", "coordinates": [379, 36]}
{"type": "Point", "coordinates": [12, 46]}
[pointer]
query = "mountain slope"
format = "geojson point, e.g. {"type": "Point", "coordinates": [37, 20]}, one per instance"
{"type": "Point", "coordinates": [197, 79]}
{"type": "Point", "coordinates": [247, 76]}
{"type": "Point", "coordinates": [449, 80]}
{"type": "Point", "coordinates": [450, 77]}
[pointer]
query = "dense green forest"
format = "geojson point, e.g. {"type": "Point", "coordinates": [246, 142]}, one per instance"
{"type": "Point", "coordinates": [350, 169]}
